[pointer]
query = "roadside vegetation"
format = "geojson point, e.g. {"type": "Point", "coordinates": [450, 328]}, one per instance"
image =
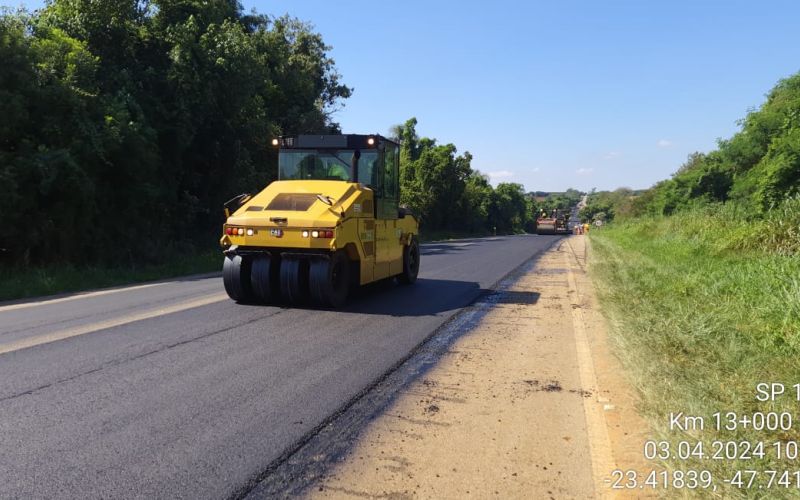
{"type": "Point", "coordinates": [441, 187]}
{"type": "Point", "coordinates": [700, 278]}
{"type": "Point", "coordinates": [48, 280]}
{"type": "Point", "coordinates": [698, 325]}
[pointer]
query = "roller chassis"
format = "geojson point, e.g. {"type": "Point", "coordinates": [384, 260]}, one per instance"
{"type": "Point", "coordinates": [310, 241]}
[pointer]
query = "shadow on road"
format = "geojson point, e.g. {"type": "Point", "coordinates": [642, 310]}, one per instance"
{"type": "Point", "coordinates": [444, 248]}
{"type": "Point", "coordinates": [427, 297]}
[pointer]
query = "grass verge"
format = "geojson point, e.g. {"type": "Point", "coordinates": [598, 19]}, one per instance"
{"type": "Point", "coordinates": [697, 324]}
{"type": "Point", "coordinates": [34, 282]}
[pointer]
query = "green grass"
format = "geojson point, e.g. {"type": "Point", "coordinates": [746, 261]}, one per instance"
{"type": "Point", "coordinates": [734, 228]}
{"type": "Point", "coordinates": [702, 308]}
{"type": "Point", "coordinates": [37, 281]}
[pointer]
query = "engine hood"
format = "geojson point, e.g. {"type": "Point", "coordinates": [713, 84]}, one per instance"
{"type": "Point", "coordinates": [295, 204]}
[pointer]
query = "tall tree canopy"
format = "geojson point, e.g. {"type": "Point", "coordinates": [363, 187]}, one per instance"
{"type": "Point", "coordinates": [759, 167]}
{"type": "Point", "coordinates": [126, 123]}
{"type": "Point", "coordinates": [440, 185]}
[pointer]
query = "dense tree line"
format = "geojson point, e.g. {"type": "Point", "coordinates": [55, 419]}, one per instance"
{"type": "Point", "coordinates": [561, 201]}
{"type": "Point", "coordinates": [124, 124]}
{"type": "Point", "coordinates": [441, 187]}
{"type": "Point", "coordinates": [757, 169]}
{"type": "Point", "coordinates": [607, 205]}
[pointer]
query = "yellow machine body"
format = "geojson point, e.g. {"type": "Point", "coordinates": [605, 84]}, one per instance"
{"type": "Point", "coordinates": [285, 216]}
{"type": "Point", "coordinates": [330, 223]}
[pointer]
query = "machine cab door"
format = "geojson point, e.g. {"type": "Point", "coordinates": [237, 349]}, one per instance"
{"type": "Point", "coordinates": [387, 182]}
{"type": "Point", "coordinates": [388, 251]}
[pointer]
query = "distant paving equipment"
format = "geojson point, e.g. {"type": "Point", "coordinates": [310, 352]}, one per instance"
{"type": "Point", "coordinates": [545, 225]}
{"type": "Point", "coordinates": [330, 221]}
{"type": "Point", "coordinates": [556, 223]}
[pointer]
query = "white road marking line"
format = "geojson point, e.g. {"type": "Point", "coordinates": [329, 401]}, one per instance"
{"type": "Point", "coordinates": [84, 329]}
{"type": "Point", "coordinates": [599, 441]}
{"type": "Point", "coordinates": [25, 305]}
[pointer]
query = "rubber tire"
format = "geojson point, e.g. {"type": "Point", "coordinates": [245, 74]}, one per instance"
{"type": "Point", "coordinates": [294, 280]}
{"type": "Point", "coordinates": [236, 278]}
{"type": "Point", "coordinates": [264, 278]}
{"type": "Point", "coordinates": [329, 280]}
{"type": "Point", "coordinates": [410, 263]}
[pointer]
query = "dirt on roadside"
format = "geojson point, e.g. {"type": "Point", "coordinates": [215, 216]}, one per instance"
{"type": "Point", "coordinates": [529, 404]}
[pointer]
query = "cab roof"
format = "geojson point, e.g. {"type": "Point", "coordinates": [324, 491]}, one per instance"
{"type": "Point", "coordinates": [341, 141]}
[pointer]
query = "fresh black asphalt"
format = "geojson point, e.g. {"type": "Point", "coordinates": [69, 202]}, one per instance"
{"type": "Point", "coordinates": [195, 403]}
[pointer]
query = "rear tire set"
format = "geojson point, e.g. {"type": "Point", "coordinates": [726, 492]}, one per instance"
{"type": "Point", "coordinates": [324, 280]}
{"type": "Point", "coordinates": [329, 280]}
{"type": "Point", "coordinates": [236, 277]}
{"type": "Point", "coordinates": [294, 280]}
{"type": "Point", "coordinates": [266, 279]}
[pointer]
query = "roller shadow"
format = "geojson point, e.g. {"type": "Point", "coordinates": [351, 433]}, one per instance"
{"type": "Point", "coordinates": [428, 297]}
{"type": "Point", "coordinates": [443, 248]}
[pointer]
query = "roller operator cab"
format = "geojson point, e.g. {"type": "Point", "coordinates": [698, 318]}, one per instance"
{"type": "Point", "coordinates": [330, 222]}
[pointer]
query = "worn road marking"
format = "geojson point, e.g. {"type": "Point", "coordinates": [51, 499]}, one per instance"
{"type": "Point", "coordinates": [84, 329]}
{"type": "Point", "coordinates": [599, 441]}
{"type": "Point", "coordinates": [25, 305]}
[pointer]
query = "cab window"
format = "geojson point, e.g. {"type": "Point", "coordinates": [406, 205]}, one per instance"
{"type": "Point", "coordinates": [390, 172]}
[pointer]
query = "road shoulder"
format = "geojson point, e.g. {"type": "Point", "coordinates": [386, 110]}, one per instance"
{"type": "Point", "coordinates": [530, 401]}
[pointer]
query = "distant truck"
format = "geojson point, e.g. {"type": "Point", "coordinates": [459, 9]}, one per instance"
{"type": "Point", "coordinates": [331, 221]}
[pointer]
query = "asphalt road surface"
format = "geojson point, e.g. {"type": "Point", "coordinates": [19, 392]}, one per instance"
{"type": "Point", "coordinates": [172, 390]}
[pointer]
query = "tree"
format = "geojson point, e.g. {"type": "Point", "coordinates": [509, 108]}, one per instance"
{"type": "Point", "coordinates": [508, 212]}
{"type": "Point", "coordinates": [134, 120]}
{"type": "Point", "coordinates": [758, 167]}
{"type": "Point", "coordinates": [440, 185]}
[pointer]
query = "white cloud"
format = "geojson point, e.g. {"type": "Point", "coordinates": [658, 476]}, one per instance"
{"type": "Point", "coordinates": [501, 174]}
{"type": "Point", "coordinates": [664, 143]}
{"type": "Point", "coordinates": [584, 171]}
{"type": "Point", "coordinates": [536, 169]}
{"type": "Point", "coordinates": [611, 155]}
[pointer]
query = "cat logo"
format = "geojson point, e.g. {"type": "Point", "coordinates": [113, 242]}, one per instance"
{"type": "Point", "coordinates": [368, 235]}
{"type": "Point", "coordinates": [357, 208]}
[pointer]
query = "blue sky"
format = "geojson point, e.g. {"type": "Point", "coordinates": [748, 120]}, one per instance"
{"type": "Point", "coordinates": [559, 94]}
